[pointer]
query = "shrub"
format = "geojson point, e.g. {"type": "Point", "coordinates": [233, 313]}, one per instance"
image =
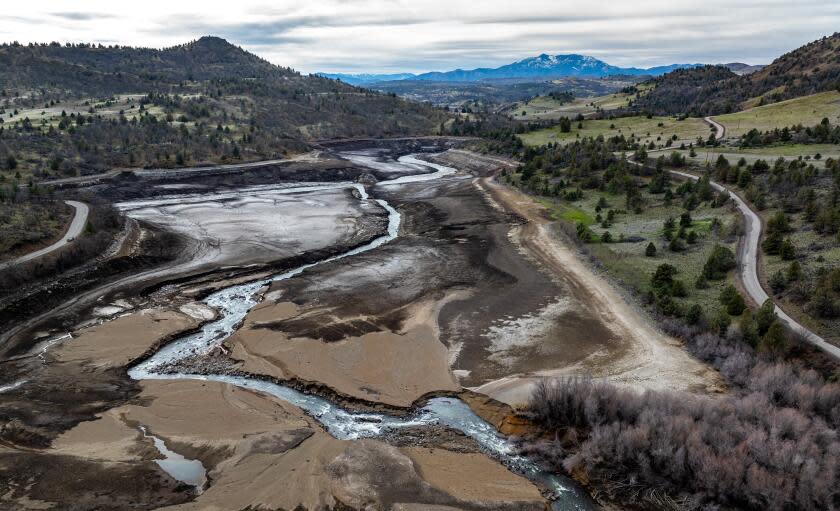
{"type": "Point", "coordinates": [676, 245]}
{"type": "Point", "coordinates": [662, 279]}
{"type": "Point", "coordinates": [769, 444]}
{"type": "Point", "coordinates": [732, 300]}
{"type": "Point", "coordinates": [721, 322]}
{"type": "Point", "coordinates": [691, 238]}
{"type": "Point", "coordinates": [794, 272]}
{"type": "Point", "coordinates": [765, 316]}
{"type": "Point", "coordinates": [720, 261]}
{"type": "Point", "coordinates": [678, 289]}
{"type": "Point", "coordinates": [775, 339]}
{"type": "Point", "coordinates": [650, 251]}
{"type": "Point", "coordinates": [787, 250]}
{"type": "Point", "coordinates": [778, 282]}
{"type": "Point", "coordinates": [694, 314]}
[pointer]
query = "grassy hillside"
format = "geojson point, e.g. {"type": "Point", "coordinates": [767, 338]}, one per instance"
{"type": "Point", "coordinates": [71, 110]}
{"type": "Point", "coordinates": [546, 107]}
{"type": "Point", "coordinates": [658, 130]}
{"type": "Point", "coordinates": [807, 110]}
{"type": "Point", "coordinates": [808, 152]}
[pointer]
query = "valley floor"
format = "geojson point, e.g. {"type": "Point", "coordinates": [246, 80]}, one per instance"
{"type": "Point", "coordinates": [475, 290]}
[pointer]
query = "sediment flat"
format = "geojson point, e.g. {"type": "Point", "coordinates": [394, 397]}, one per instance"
{"type": "Point", "coordinates": [476, 291]}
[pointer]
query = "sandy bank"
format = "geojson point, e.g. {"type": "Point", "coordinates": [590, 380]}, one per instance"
{"type": "Point", "coordinates": [118, 342]}
{"type": "Point", "coordinates": [394, 367]}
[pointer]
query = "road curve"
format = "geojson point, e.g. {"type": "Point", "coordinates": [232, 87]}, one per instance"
{"type": "Point", "coordinates": [748, 255]}
{"type": "Point", "coordinates": [720, 129]}
{"type": "Point", "coordinates": [748, 267]}
{"type": "Point", "coordinates": [75, 229]}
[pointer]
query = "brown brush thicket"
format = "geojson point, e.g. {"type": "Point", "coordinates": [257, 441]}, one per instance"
{"type": "Point", "coordinates": [769, 444]}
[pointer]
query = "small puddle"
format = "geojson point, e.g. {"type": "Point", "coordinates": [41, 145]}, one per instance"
{"type": "Point", "coordinates": [188, 471]}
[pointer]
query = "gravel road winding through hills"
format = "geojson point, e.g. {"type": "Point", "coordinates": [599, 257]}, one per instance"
{"type": "Point", "coordinates": [75, 229]}
{"type": "Point", "coordinates": [748, 254]}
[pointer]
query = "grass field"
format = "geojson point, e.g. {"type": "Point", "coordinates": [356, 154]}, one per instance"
{"type": "Point", "coordinates": [544, 107]}
{"type": "Point", "coordinates": [768, 154]}
{"type": "Point", "coordinates": [657, 130]}
{"type": "Point", "coordinates": [807, 110]}
{"type": "Point", "coordinates": [128, 103]}
{"type": "Point", "coordinates": [626, 261]}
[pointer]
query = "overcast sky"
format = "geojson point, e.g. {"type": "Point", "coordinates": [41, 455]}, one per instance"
{"type": "Point", "coordinates": [419, 35]}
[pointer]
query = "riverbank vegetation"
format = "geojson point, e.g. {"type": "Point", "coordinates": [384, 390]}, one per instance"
{"type": "Point", "coordinates": [674, 451]}
{"type": "Point", "coordinates": [769, 444]}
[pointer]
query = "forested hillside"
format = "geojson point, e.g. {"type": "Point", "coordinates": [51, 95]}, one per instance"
{"type": "Point", "coordinates": [812, 68]}
{"type": "Point", "coordinates": [78, 109]}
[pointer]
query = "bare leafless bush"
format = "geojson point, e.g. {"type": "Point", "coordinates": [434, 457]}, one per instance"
{"type": "Point", "coordinates": [771, 443]}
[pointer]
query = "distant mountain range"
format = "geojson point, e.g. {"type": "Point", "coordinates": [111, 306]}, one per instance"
{"type": "Point", "coordinates": [364, 78]}
{"type": "Point", "coordinates": [541, 67]}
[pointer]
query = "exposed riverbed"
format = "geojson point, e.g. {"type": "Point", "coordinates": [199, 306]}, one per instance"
{"type": "Point", "coordinates": [316, 330]}
{"type": "Point", "coordinates": [234, 303]}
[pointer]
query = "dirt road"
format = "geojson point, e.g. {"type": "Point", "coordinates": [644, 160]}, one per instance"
{"type": "Point", "coordinates": [748, 254]}
{"type": "Point", "coordinates": [77, 225]}
{"type": "Point", "coordinates": [720, 129]}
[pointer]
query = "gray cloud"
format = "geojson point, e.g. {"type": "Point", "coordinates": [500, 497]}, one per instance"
{"type": "Point", "coordinates": [406, 35]}
{"type": "Point", "coordinates": [80, 16]}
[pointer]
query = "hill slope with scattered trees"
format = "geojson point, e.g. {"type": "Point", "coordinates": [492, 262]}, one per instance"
{"type": "Point", "coordinates": [78, 109]}
{"type": "Point", "coordinates": [714, 90]}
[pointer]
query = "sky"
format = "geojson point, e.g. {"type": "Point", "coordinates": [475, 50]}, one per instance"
{"type": "Point", "coordinates": [378, 36]}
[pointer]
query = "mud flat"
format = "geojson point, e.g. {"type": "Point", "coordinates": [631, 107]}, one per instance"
{"type": "Point", "coordinates": [374, 363]}
{"type": "Point", "coordinates": [261, 224]}
{"type": "Point", "coordinates": [249, 441]}
{"type": "Point", "coordinates": [470, 291]}
{"type": "Point", "coordinates": [508, 310]}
